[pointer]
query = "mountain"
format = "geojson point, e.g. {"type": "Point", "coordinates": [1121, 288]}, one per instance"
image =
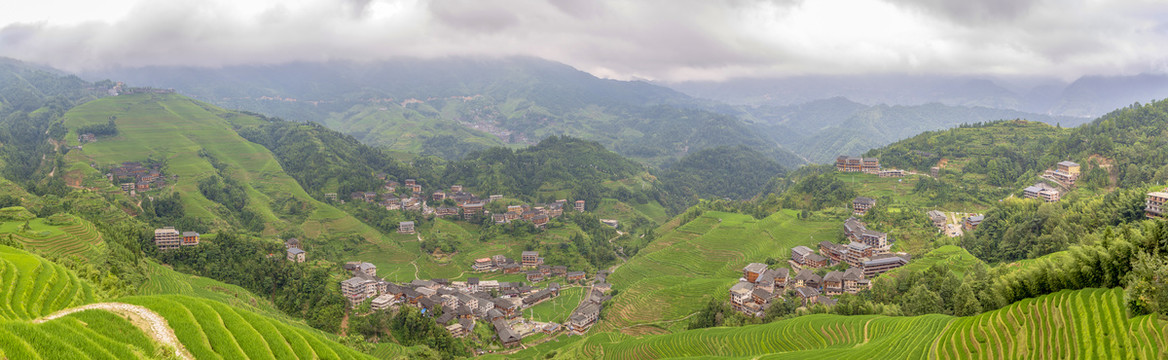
{"type": "Point", "coordinates": [821, 130]}
{"type": "Point", "coordinates": [1087, 96]}
{"type": "Point", "coordinates": [450, 107]}
{"type": "Point", "coordinates": [1097, 95]}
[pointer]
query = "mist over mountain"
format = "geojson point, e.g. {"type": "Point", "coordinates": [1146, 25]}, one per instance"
{"type": "Point", "coordinates": [1087, 96]}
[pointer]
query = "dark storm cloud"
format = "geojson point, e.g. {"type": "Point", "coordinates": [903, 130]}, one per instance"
{"type": "Point", "coordinates": [656, 39]}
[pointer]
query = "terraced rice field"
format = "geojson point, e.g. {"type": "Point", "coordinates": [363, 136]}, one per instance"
{"type": "Point", "coordinates": [89, 334]}
{"type": "Point", "coordinates": [1086, 324]}
{"type": "Point", "coordinates": [80, 238]}
{"type": "Point", "coordinates": [676, 274]}
{"type": "Point", "coordinates": [31, 286]}
{"type": "Point", "coordinates": [1069, 324]}
{"type": "Point", "coordinates": [164, 281]}
{"type": "Point", "coordinates": [213, 330]}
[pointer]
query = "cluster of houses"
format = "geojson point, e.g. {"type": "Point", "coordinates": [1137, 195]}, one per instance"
{"type": "Point", "coordinates": [86, 138]}
{"type": "Point", "coordinates": [588, 312]}
{"type": "Point", "coordinates": [168, 238]}
{"type": "Point", "coordinates": [530, 261]}
{"type": "Point", "coordinates": [759, 287]}
{"type": "Point", "coordinates": [467, 206]}
{"type": "Point", "coordinates": [1065, 173]}
{"type": "Point", "coordinates": [538, 214]}
{"type": "Point", "coordinates": [866, 255]}
{"type": "Point", "coordinates": [499, 303]}
{"type": "Point", "coordinates": [135, 178]}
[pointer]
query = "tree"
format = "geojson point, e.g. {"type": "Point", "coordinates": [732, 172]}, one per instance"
{"type": "Point", "coordinates": [920, 300]}
{"type": "Point", "coordinates": [965, 303]}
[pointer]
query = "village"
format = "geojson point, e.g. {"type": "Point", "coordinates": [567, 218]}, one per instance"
{"type": "Point", "coordinates": [867, 254]}
{"type": "Point", "coordinates": [134, 178]}
{"type": "Point", "coordinates": [466, 303]}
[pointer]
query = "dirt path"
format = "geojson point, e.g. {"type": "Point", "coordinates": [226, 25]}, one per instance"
{"type": "Point", "coordinates": [149, 321]}
{"type": "Point", "coordinates": [415, 264]}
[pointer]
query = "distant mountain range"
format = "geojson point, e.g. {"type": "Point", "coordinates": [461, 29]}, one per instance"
{"type": "Point", "coordinates": [450, 107]}
{"type": "Point", "coordinates": [1089, 96]}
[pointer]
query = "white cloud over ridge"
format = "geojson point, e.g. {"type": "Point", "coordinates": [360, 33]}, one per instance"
{"type": "Point", "coordinates": [668, 40]}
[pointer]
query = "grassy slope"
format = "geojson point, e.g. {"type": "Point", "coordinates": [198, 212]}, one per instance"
{"type": "Point", "coordinates": [951, 257]}
{"type": "Point", "coordinates": [1068, 324]}
{"type": "Point", "coordinates": [403, 128]}
{"type": "Point", "coordinates": [176, 128]}
{"type": "Point", "coordinates": [675, 275]}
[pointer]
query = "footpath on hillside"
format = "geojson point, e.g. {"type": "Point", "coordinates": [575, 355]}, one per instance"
{"type": "Point", "coordinates": [149, 321]}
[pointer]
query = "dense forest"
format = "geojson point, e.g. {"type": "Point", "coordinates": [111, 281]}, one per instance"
{"type": "Point", "coordinates": [556, 162]}
{"type": "Point", "coordinates": [723, 172]}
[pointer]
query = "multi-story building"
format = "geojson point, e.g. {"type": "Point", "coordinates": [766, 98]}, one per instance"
{"type": "Point", "coordinates": [856, 231]}
{"type": "Point", "coordinates": [861, 205]}
{"type": "Point", "coordinates": [1154, 203]}
{"type": "Point", "coordinates": [1041, 191]}
{"type": "Point", "coordinates": [834, 252]}
{"type": "Point", "coordinates": [358, 288]}
{"type": "Point", "coordinates": [405, 227]}
{"type": "Point", "coordinates": [580, 205]}
{"type": "Point", "coordinates": [530, 259]}
{"type": "Point", "coordinates": [857, 252]}
{"type": "Point", "coordinates": [799, 254]}
{"type": "Point", "coordinates": [167, 238]}
{"type": "Point", "coordinates": [753, 271]}
{"type": "Point", "coordinates": [882, 263]}
{"type": "Point", "coordinates": [190, 238]}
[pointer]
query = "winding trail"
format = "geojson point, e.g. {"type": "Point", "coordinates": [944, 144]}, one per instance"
{"type": "Point", "coordinates": [145, 319]}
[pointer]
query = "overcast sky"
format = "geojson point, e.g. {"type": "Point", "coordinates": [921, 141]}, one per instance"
{"type": "Point", "coordinates": [668, 40]}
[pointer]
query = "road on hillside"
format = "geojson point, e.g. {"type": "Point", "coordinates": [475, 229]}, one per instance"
{"type": "Point", "coordinates": [145, 319]}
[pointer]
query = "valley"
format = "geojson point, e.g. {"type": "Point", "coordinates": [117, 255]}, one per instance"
{"type": "Point", "coordinates": [577, 218]}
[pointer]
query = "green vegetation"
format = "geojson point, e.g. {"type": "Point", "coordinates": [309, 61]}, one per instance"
{"type": "Point", "coordinates": [557, 162]}
{"type": "Point", "coordinates": [60, 235]}
{"type": "Point", "coordinates": [692, 262]}
{"type": "Point", "coordinates": [733, 172]}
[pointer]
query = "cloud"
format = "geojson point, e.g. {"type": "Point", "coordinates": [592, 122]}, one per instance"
{"type": "Point", "coordinates": [670, 40]}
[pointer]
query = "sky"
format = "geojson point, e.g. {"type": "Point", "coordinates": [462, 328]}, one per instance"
{"type": "Point", "coordinates": [661, 40]}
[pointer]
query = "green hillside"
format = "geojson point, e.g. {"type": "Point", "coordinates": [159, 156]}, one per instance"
{"type": "Point", "coordinates": [675, 275]}
{"type": "Point", "coordinates": [191, 139]}
{"type": "Point", "coordinates": [1068, 324]}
